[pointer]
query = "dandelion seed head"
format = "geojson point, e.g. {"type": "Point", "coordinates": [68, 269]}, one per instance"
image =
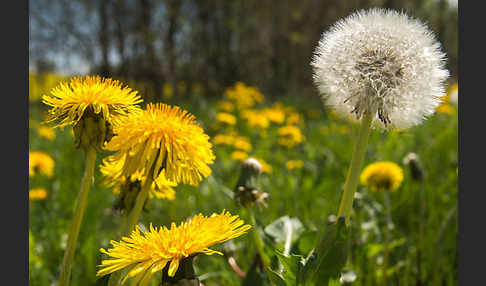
{"type": "Point", "coordinates": [381, 62]}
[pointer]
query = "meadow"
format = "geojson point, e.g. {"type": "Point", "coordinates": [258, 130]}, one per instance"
{"type": "Point", "coordinates": [305, 150]}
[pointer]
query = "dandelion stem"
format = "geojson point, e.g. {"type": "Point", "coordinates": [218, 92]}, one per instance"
{"type": "Point", "coordinates": [355, 167]}
{"type": "Point", "coordinates": [130, 220]}
{"type": "Point", "coordinates": [259, 242]}
{"type": "Point", "coordinates": [78, 217]}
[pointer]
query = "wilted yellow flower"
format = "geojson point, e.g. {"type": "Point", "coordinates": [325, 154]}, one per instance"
{"type": "Point", "coordinates": [93, 105]}
{"type": "Point", "coordinates": [163, 137]}
{"type": "Point", "coordinates": [151, 251]}
{"type": "Point", "coordinates": [294, 164]}
{"type": "Point", "coordinates": [46, 132]}
{"type": "Point", "coordinates": [244, 96]}
{"type": "Point", "coordinates": [37, 194]}
{"type": "Point", "coordinates": [290, 135]}
{"type": "Point", "coordinates": [41, 163]}
{"type": "Point", "coordinates": [382, 176]}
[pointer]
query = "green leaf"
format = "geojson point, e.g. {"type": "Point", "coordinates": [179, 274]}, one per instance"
{"type": "Point", "coordinates": [285, 229]}
{"type": "Point", "coordinates": [292, 268]}
{"type": "Point", "coordinates": [275, 278]}
{"type": "Point", "coordinates": [329, 257]}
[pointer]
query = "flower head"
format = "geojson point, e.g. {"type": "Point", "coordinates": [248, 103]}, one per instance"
{"type": "Point", "coordinates": [128, 187]}
{"type": "Point", "coordinates": [41, 163]}
{"type": "Point", "coordinates": [380, 62]}
{"type": "Point", "coordinates": [92, 105]}
{"type": "Point", "coordinates": [37, 194]}
{"type": "Point", "coordinates": [163, 137]}
{"type": "Point", "coordinates": [382, 176]}
{"type": "Point", "coordinates": [151, 251]}
{"type": "Point", "coordinates": [244, 96]}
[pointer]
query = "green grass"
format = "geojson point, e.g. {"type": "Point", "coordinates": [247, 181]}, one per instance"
{"type": "Point", "coordinates": [311, 194]}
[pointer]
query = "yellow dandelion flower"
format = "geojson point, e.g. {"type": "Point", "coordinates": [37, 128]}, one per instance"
{"type": "Point", "coordinates": [92, 105]}
{"type": "Point", "coordinates": [446, 108]}
{"type": "Point", "coordinates": [294, 164]}
{"type": "Point", "coordinates": [244, 96]}
{"type": "Point", "coordinates": [151, 251]}
{"type": "Point", "coordinates": [163, 137]}
{"type": "Point", "coordinates": [290, 135]}
{"type": "Point", "coordinates": [382, 176]}
{"type": "Point", "coordinates": [242, 143]}
{"type": "Point", "coordinates": [266, 168]}
{"type": "Point", "coordinates": [128, 187]}
{"type": "Point", "coordinates": [255, 118]}
{"type": "Point", "coordinates": [46, 133]}
{"type": "Point", "coordinates": [223, 139]}
{"type": "Point", "coordinates": [225, 106]}
{"type": "Point", "coordinates": [104, 96]}
{"type": "Point", "coordinates": [226, 118]}
{"type": "Point", "coordinates": [41, 163]}
{"type": "Point", "coordinates": [37, 194]}
{"type": "Point", "coordinates": [239, 155]}
{"type": "Point", "coordinates": [275, 114]}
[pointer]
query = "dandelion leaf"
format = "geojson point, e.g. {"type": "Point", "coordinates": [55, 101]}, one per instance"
{"type": "Point", "coordinates": [325, 263]}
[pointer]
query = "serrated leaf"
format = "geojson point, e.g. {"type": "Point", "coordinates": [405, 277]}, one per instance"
{"type": "Point", "coordinates": [275, 278]}
{"type": "Point", "coordinates": [329, 257]}
{"type": "Point", "coordinates": [292, 268]}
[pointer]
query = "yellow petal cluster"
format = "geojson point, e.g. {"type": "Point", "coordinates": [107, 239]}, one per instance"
{"type": "Point", "coordinates": [151, 251]}
{"type": "Point", "coordinates": [163, 137]}
{"type": "Point", "coordinates": [382, 176]}
{"type": "Point", "coordinates": [105, 96]}
{"type": "Point", "coordinates": [41, 163]}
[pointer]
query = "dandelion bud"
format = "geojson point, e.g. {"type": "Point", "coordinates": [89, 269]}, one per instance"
{"type": "Point", "coordinates": [247, 190]}
{"type": "Point", "coordinates": [416, 168]}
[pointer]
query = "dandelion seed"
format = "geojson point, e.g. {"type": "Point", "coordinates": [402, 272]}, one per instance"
{"type": "Point", "coordinates": [380, 62]}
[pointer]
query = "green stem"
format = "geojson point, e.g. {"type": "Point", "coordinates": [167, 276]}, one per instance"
{"type": "Point", "coordinates": [130, 221]}
{"type": "Point", "coordinates": [259, 242]}
{"type": "Point", "coordinates": [386, 241]}
{"type": "Point", "coordinates": [78, 217]}
{"type": "Point", "coordinates": [355, 167]}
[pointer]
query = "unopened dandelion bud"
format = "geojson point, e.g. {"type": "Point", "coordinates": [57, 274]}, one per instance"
{"type": "Point", "coordinates": [416, 169]}
{"type": "Point", "coordinates": [247, 190]}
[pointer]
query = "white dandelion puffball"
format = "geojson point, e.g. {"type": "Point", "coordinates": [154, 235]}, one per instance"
{"type": "Point", "coordinates": [380, 62]}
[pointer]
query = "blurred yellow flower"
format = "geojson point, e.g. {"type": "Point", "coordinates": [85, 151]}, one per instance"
{"type": "Point", "coordinates": [266, 168]}
{"type": "Point", "coordinates": [46, 132]}
{"type": "Point", "coordinates": [225, 106]}
{"type": "Point", "coordinates": [163, 137]}
{"type": "Point", "coordinates": [223, 139]}
{"type": "Point", "coordinates": [242, 143]}
{"type": "Point", "coordinates": [274, 114]}
{"type": "Point", "coordinates": [290, 135]}
{"type": "Point", "coordinates": [294, 164]}
{"type": "Point", "coordinates": [226, 118]}
{"type": "Point", "coordinates": [239, 155]}
{"type": "Point", "coordinates": [37, 194]}
{"type": "Point", "coordinates": [151, 251]}
{"type": "Point", "coordinates": [382, 176]}
{"type": "Point", "coordinates": [41, 163]}
{"type": "Point", "coordinates": [244, 96]}
{"type": "Point", "coordinates": [255, 118]}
